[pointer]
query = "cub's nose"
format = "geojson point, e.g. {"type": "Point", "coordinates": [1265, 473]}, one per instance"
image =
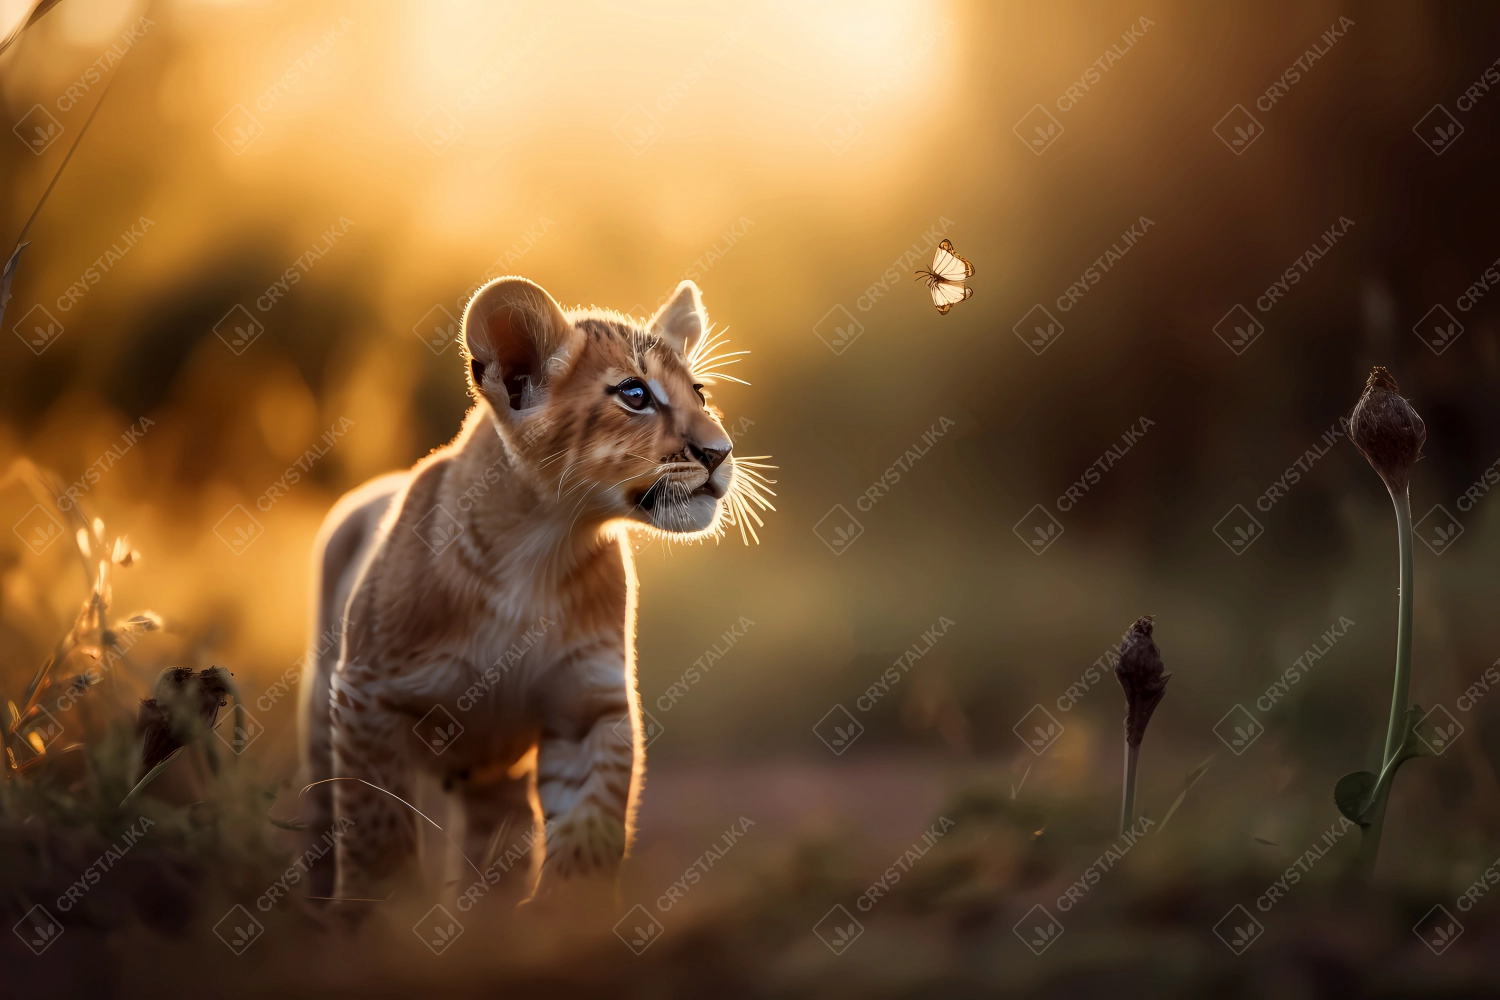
{"type": "Point", "coordinates": [711, 458]}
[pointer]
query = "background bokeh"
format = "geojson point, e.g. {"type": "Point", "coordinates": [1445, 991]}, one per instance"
{"type": "Point", "coordinates": [455, 141]}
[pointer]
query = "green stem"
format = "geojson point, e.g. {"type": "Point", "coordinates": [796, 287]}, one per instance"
{"type": "Point", "coordinates": [1127, 797]}
{"type": "Point", "coordinates": [1401, 689]}
{"type": "Point", "coordinates": [1400, 694]}
{"type": "Point", "coordinates": [1369, 841]}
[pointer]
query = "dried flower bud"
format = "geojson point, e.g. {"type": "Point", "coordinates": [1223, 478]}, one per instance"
{"type": "Point", "coordinates": [1140, 674]}
{"type": "Point", "coordinates": [185, 705]}
{"type": "Point", "coordinates": [1387, 431]}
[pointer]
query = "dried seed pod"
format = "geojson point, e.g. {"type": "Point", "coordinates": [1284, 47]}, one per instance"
{"type": "Point", "coordinates": [1142, 678]}
{"type": "Point", "coordinates": [185, 704]}
{"type": "Point", "coordinates": [1387, 431]}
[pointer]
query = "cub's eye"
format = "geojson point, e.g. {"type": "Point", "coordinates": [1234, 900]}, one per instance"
{"type": "Point", "coordinates": [698, 388]}
{"type": "Point", "coordinates": [634, 392]}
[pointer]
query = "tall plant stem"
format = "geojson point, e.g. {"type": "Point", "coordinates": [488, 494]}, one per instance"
{"type": "Point", "coordinates": [1127, 796]}
{"type": "Point", "coordinates": [1369, 848]}
{"type": "Point", "coordinates": [1369, 842]}
{"type": "Point", "coordinates": [1400, 693]}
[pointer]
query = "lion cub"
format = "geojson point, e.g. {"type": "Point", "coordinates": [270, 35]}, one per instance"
{"type": "Point", "coordinates": [488, 595]}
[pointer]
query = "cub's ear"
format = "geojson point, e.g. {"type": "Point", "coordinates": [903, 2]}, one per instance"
{"type": "Point", "coordinates": [512, 330]}
{"type": "Point", "coordinates": [682, 320]}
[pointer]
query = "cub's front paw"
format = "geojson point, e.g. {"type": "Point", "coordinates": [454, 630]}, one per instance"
{"type": "Point", "coordinates": [582, 844]}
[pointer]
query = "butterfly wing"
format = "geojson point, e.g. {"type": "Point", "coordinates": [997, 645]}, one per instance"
{"type": "Point", "coordinates": [946, 294]}
{"type": "Point", "coordinates": [948, 265]}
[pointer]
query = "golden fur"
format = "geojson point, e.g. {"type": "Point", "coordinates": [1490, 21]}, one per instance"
{"type": "Point", "coordinates": [492, 587]}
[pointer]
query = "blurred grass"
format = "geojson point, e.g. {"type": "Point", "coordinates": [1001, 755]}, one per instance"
{"type": "Point", "coordinates": [946, 926]}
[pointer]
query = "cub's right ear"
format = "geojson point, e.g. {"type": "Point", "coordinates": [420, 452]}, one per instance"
{"type": "Point", "coordinates": [512, 329]}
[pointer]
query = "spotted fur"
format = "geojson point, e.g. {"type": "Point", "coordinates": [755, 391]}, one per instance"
{"type": "Point", "coordinates": [513, 537]}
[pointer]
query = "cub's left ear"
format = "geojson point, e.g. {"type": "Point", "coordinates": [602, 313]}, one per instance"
{"type": "Point", "coordinates": [682, 320]}
{"type": "Point", "coordinates": [513, 333]}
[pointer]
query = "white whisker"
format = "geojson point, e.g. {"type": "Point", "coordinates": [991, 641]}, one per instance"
{"type": "Point", "coordinates": [729, 358]}
{"type": "Point", "coordinates": [703, 362]}
{"type": "Point", "coordinates": [746, 493]}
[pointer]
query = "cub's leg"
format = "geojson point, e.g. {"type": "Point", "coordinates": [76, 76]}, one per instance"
{"type": "Point", "coordinates": [378, 849]}
{"type": "Point", "coordinates": [585, 762]}
{"type": "Point", "coordinates": [501, 833]}
{"type": "Point", "coordinates": [343, 543]}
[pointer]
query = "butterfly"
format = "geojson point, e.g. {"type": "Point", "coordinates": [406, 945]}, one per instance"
{"type": "Point", "coordinates": [946, 279]}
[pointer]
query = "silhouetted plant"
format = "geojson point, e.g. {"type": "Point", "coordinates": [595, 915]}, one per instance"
{"type": "Point", "coordinates": [1390, 434]}
{"type": "Point", "coordinates": [1144, 682]}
